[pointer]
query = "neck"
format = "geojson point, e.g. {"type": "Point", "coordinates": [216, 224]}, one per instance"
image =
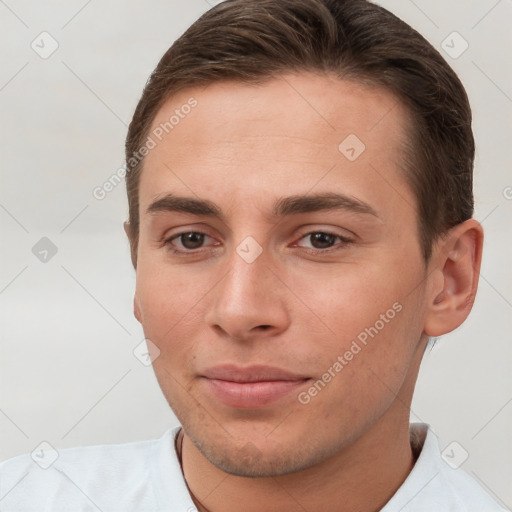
{"type": "Point", "coordinates": [362, 477]}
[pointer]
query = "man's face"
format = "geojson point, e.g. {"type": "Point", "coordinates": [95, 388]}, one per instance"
{"type": "Point", "coordinates": [286, 329]}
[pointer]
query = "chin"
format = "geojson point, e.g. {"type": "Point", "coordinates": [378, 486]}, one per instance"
{"type": "Point", "coordinates": [245, 459]}
{"type": "Point", "coordinates": [250, 462]}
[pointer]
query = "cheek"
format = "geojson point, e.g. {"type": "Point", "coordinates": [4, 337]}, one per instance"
{"type": "Point", "coordinates": [166, 292]}
{"type": "Point", "coordinates": [362, 372]}
{"type": "Point", "coordinates": [350, 299]}
{"type": "Point", "coordinates": [371, 322]}
{"type": "Point", "coordinates": [171, 306]}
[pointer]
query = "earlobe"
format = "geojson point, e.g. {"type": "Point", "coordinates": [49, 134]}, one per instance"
{"type": "Point", "coordinates": [137, 310]}
{"type": "Point", "coordinates": [127, 229]}
{"type": "Point", "coordinates": [455, 278]}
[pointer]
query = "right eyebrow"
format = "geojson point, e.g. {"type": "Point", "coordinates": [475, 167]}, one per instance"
{"type": "Point", "coordinates": [172, 203]}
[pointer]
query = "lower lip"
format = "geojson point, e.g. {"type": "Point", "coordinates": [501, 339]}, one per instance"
{"type": "Point", "coordinates": [251, 395]}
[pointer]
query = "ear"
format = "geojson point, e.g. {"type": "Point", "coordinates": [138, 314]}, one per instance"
{"type": "Point", "coordinates": [136, 309]}
{"type": "Point", "coordinates": [133, 243]}
{"type": "Point", "coordinates": [454, 278]}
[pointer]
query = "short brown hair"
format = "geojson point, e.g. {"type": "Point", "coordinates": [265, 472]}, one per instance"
{"type": "Point", "coordinates": [253, 41]}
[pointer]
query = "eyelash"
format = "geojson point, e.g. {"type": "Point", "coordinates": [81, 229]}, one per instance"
{"type": "Point", "coordinates": [345, 241]}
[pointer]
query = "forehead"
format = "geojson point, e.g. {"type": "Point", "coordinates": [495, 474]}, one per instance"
{"type": "Point", "coordinates": [329, 106]}
{"type": "Point", "coordinates": [289, 131]}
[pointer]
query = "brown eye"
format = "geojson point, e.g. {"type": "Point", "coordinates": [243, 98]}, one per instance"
{"type": "Point", "coordinates": [322, 240]}
{"type": "Point", "coordinates": [186, 242]}
{"type": "Point", "coordinates": [191, 240]}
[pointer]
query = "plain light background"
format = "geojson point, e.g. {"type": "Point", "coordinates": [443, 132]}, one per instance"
{"type": "Point", "coordinates": [68, 373]}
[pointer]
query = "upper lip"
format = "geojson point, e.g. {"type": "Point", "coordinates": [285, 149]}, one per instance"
{"type": "Point", "coordinates": [255, 373]}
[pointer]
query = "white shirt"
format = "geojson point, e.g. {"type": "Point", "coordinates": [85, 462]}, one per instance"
{"type": "Point", "coordinates": [146, 477]}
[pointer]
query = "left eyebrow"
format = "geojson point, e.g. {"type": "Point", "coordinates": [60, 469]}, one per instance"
{"type": "Point", "coordinates": [317, 202]}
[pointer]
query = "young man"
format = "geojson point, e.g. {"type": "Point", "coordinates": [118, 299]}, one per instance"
{"type": "Point", "coordinates": [300, 193]}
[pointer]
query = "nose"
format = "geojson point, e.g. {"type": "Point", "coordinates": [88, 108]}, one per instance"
{"type": "Point", "coordinates": [249, 302]}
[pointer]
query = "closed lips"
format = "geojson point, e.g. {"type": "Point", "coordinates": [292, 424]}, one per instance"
{"type": "Point", "coordinates": [252, 387]}
{"type": "Point", "coordinates": [251, 374]}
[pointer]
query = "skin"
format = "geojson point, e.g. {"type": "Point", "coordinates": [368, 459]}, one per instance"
{"type": "Point", "coordinates": [295, 306]}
